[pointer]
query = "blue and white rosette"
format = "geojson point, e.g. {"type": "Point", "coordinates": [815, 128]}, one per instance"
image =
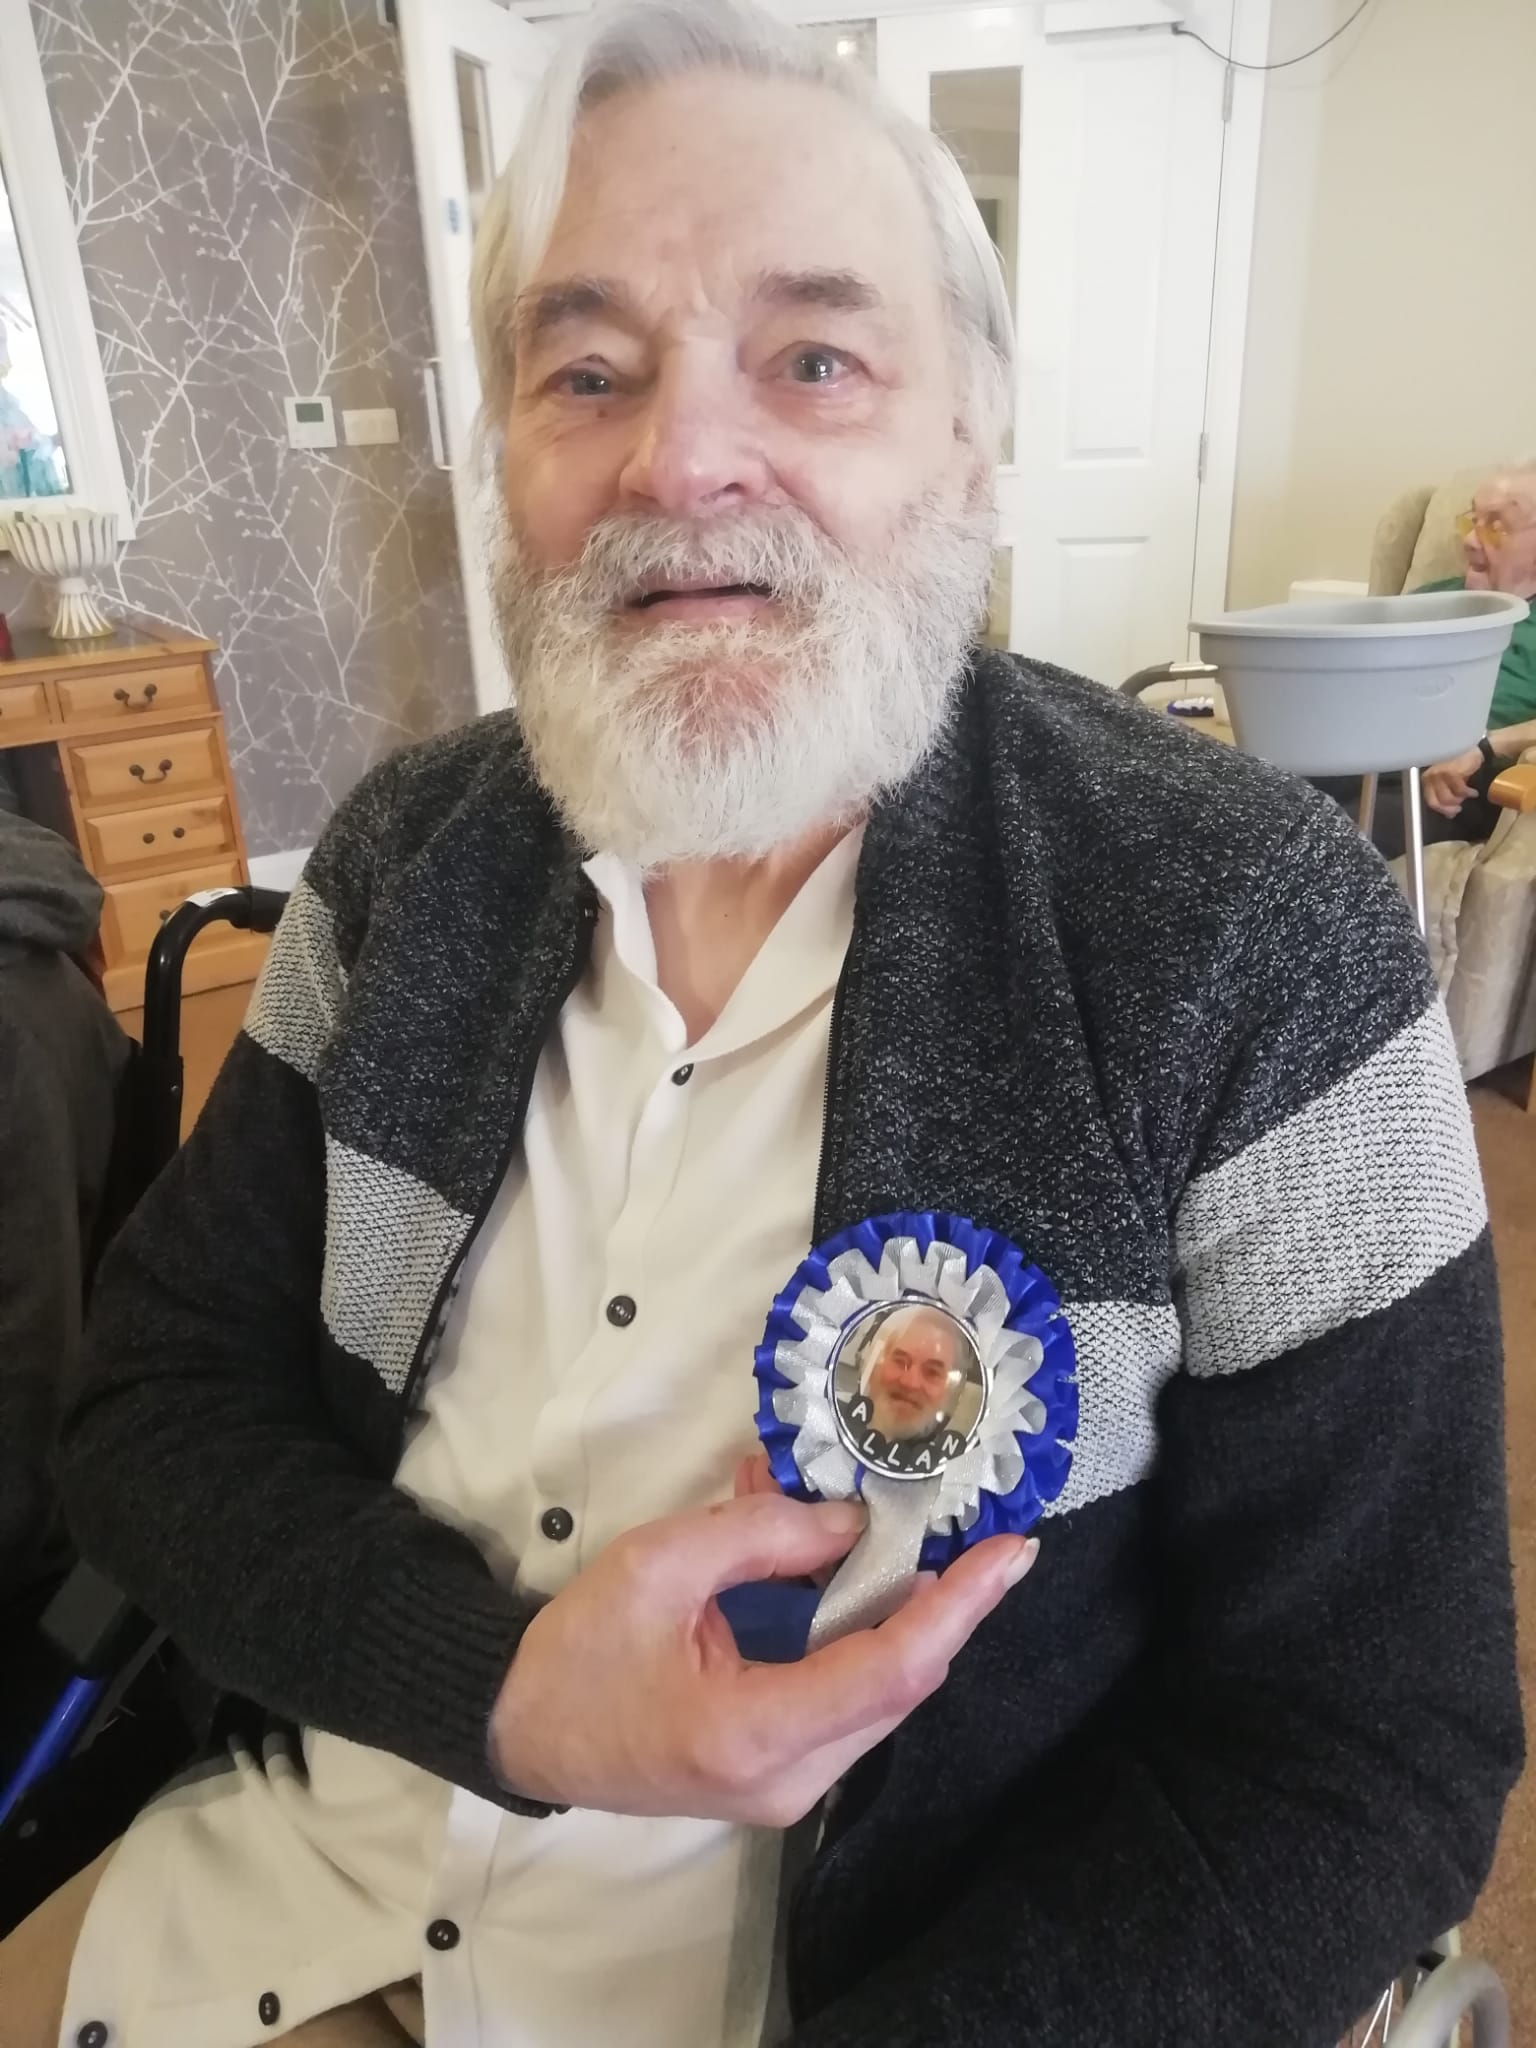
{"type": "Point", "coordinates": [990, 1471]}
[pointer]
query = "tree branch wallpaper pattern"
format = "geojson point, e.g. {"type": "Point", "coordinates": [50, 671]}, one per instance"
{"type": "Point", "coordinates": [241, 177]}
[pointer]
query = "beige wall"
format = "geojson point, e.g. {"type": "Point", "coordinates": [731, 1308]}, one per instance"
{"type": "Point", "coordinates": [1392, 316]}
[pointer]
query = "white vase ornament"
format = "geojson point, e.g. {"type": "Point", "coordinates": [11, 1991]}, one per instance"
{"type": "Point", "coordinates": [63, 548]}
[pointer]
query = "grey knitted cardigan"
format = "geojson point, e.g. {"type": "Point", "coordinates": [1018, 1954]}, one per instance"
{"type": "Point", "coordinates": [1241, 1741]}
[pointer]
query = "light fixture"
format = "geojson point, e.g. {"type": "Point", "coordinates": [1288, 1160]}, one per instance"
{"type": "Point", "coordinates": [847, 46]}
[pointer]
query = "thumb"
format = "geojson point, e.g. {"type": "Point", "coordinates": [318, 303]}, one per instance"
{"type": "Point", "coordinates": [760, 1536]}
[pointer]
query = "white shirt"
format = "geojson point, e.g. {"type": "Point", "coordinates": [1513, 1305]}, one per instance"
{"type": "Point", "coordinates": [680, 1179]}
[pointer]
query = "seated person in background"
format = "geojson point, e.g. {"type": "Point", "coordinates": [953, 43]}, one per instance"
{"type": "Point", "coordinates": [418, 1381]}
{"type": "Point", "coordinates": [1499, 542]}
{"type": "Point", "coordinates": [61, 1055]}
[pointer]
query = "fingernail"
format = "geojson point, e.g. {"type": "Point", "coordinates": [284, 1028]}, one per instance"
{"type": "Point", "coordinates": [1024, 1560]}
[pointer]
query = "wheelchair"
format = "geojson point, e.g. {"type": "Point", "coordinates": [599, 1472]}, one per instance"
{"type": "Point", "coordinates": [116, 1654]}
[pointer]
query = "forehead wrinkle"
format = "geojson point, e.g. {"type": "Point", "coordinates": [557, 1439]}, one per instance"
{"type": "Point", "coordinates": [657, 195]}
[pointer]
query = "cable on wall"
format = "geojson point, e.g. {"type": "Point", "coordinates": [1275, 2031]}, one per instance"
{"type": "Point", "coordinates": [1282, 63]}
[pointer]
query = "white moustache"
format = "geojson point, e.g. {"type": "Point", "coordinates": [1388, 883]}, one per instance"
{"type": "Point", "coordinates": [779, 551]}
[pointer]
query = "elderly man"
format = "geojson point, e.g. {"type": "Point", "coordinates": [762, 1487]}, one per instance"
{"type": "Point", "coordinates": [420, 1380]}
{"type": "Point", "coordinates": [1499, 542]}
{"type": "Point", "coordinates": [912, 1374]}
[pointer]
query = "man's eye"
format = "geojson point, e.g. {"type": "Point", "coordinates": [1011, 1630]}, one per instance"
{"type": "Point", "coordinates": [584, 383]}
{"type": "Point", "coordinates": [816, 366]}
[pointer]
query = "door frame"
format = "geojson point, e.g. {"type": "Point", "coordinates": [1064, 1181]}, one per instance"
{"type": "Point", "coordinates": [1237, 206]}
{"type": "Point", "coordinates": [1241, 141]}
{"type": "Point", "coordinates": [455, 446]}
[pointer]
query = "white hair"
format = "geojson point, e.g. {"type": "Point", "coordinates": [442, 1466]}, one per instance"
{"type": "Point", "coordinates": [1521, 474]}
{"type": "Point", "coordinates": [636, 43]}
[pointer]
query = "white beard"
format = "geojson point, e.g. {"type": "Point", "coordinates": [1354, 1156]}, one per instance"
{"type": "Point", "coordinates": [900, 1425]}
{"type": "Point", "coordinates": [674, 742]}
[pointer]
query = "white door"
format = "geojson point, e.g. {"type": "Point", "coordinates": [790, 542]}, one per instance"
{"type": "Point", "coordinates": [470, 71]}
{"type": "Point", "coordinates": [1095, 153]}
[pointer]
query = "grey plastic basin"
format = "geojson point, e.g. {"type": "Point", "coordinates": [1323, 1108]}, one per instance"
{"type": "Point", "coordinates": [1364, 685]}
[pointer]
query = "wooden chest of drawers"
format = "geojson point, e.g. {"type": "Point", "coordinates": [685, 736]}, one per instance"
{"type": "Point", "coordinates": [119, 745]}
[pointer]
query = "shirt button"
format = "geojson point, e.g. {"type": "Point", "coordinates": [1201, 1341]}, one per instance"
{"type": "Point", "coordinates": [92, 2035]}
{"type": "Point", "coordinates": [682, 1077]}
{"type": "Point", "coordinates": [557, 1524]}
{"type": "Point", "coordinates": [443, 1935]}
{"type": "Point", "coordinates": [621, 1311]}
{"type": "Point", "coordinates": [269, 2008]}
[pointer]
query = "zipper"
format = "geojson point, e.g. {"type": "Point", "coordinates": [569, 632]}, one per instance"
{"type": "Point", "coordinates": [576, 967]}
{"type": "Point", "coordinates": [829, 1099]}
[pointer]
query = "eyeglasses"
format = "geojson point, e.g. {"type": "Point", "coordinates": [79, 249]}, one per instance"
{"type": "Point", "coordinates": [1492, 533]}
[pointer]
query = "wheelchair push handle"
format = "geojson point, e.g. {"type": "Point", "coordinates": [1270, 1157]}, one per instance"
{"type": "Point", "coordinates": [247, 909]}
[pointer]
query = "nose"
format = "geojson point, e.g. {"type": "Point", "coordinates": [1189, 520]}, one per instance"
{"type": "Point", "coordinates": [696, 451]}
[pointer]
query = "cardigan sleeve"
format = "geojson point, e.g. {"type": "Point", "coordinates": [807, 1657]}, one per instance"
{"type": "Point", "coordinates": [205, 1467]}
{"type": "Point", "coordinates": [1304, 1786]}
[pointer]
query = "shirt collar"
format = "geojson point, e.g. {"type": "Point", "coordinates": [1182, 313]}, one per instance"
{"type": "Point", "coordinates": [797, 965]}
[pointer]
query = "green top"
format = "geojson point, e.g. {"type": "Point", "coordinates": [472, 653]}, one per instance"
{"type": "Point", "coordinates": [1514, 694]}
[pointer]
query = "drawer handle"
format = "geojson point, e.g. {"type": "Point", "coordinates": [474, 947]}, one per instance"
{"type": "Point", "coordinates": [165, 917]}
{"type": "Point", "coordinates": [180, 832]}
{"type": "Point", "coordinates": [151, 692]}
{"type": "Point", "coordinates": [149, 838]}
{"type": "Point", "coordinates": [138, 774]}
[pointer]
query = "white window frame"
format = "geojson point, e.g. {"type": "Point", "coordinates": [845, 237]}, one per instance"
{"type": "Point", "coordinates": [50, 254]}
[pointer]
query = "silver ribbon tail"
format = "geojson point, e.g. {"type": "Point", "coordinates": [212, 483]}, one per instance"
{"type": "Point", "coordinates": [873, 1579]}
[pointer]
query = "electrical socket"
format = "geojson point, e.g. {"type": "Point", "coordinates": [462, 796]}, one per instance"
{"type": "Point", "coordinates": [370, 426]}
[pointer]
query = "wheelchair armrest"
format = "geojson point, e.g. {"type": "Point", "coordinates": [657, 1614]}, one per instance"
{"type": "Point", "coordinates": [95, 1626]}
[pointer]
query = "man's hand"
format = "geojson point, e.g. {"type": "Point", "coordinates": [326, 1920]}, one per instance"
{"type": "Point", "coordinates": [1446, 787]}
{"type": "Point", "coordinates": [627, 1693]}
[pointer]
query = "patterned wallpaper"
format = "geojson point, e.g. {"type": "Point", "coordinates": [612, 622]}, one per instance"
{"type": "Point", "coordinates": [242, 183]}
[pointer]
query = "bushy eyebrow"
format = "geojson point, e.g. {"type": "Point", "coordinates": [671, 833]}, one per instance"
{"type": "Point", "coordinates": [837, 291]}
{"type": "Point", "coordinates": [545, 309]}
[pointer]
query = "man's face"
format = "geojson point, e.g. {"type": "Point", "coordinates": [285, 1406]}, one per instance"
{"type": "Point", "coordinates": [911, 1387]}
{"type": "Point", "coordinates": [1501, 547]}
{"type": "Point", "coordinates": [748, 539]}
{"type": "Point", "coordinates": [740, 307]}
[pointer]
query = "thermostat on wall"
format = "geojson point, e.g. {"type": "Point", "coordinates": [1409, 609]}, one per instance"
{"type": "Point", "coordinates": [311, 422]}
